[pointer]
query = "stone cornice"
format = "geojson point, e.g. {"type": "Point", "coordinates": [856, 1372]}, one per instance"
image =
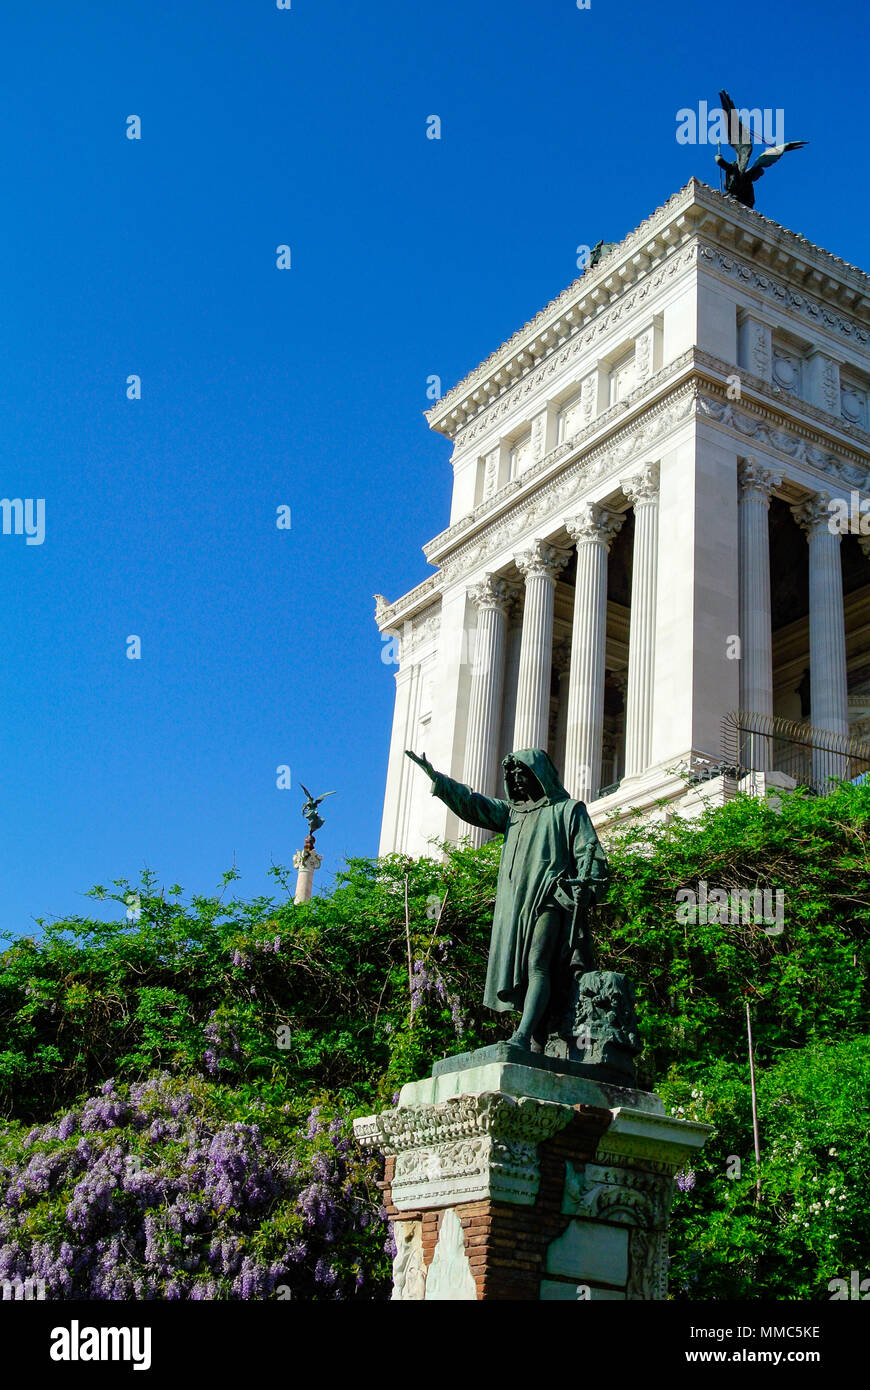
{"type": "Point", "coordinates": [390, 616]}
{"type": "Point", "coordinates": [571, 457]}
{"type": "Point", "coordinates": [613, 437]}
{"type": "Point", "coordinates": [568, 314]}
{"type": "Point", "coordinates": [816, 310]}
{"type": "Point", "coordinates": [582, 342]}
{"type": "Point", "coordinates": [694, 383]}
{"type": "Point", "coordinates": [694, 207]}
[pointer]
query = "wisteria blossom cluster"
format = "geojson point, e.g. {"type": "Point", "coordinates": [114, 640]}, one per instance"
{"type": "Point", "coordinates": [222, 1045]}
{"type": "Point", "coordinates": [150, 1192]}
{"type": "Point", "coordinates": [427, 978]}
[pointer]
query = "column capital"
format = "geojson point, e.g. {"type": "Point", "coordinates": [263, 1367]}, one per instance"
{"type": "Point", "coordinates": [755, 482]}
{"type": "Point", "coordinates": [642, 486]}
{"type": "Point", "coordinates": [493, 592]}
{"type": "Point", "coordinates": [594, 524]}
{"type": "Point", "coordinates": [813, 515]}
{"type": "Point", "coordinates": [541, 559]}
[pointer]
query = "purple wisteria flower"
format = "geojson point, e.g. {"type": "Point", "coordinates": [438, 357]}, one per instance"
{"type": "Point", "coordinates": [162, 1198]}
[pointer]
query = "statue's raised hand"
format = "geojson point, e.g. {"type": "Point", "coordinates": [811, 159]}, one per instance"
{"type": "Point", "coordinates": [422, 761]}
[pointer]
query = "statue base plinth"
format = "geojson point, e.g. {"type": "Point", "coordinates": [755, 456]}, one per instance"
{"type": "Point", "coordinates": [520, 1179]}
{"type": "Point", "coordinates": [507, 1052]}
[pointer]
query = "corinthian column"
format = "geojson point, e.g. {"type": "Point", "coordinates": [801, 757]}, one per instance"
{"type": "Point", "coordinates": [829, 701]}
{"type": "Point", "coordinates": [753, 574]}
{"type": "Point", "coordinates": [539, 566]}
{"type": "Point", "coordinates": [492, 599]}
{"type": "Point", "coordinates": [592, 529]}
{"type": "Point", "coordinates": [642, 490]}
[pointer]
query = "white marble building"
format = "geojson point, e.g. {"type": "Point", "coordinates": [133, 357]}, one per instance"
{"type": "Point", "coordinates": [639, 539]}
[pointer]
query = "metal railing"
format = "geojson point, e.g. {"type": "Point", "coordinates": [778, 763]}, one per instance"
{"type": "Point", "coordinates": [815, 758]}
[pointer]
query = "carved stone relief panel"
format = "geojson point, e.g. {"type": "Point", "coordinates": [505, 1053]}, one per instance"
{"type": "Point", "coordinates": [490, 473]}
{"type": "Point", "coordinates": [572, 417]}
{"type": "Point", "coordinates": [787, 370]}
{"type": "Point", "coordinates": [521, 455]}
{"type": "Point", "coordinates": [853, 402]}
{"type": "Point", "coordinates": [409, 1270]}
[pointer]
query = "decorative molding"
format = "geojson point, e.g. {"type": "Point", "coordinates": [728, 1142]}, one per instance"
{"type": "Point", "coordinates": [643, 354]}
{"type": "Point", "coordinates": [761, 420]}
{"type": "Point", "coordinates": [694, 208]}
{"type": "Point", "coordinates": [817, 311]}
{"type": "Point", "coordinates": [389, 616]}
{"type": "Point", "coordinates": [787, 441]}
{"type": "Point", "coordinates": [552, 496]}
{"type": "Point", "coordinates": [647, 1266]}
{"type": "Point", "coordinates": [692, 358]}
{"type": "Point", "coordinates": [596, 426]}
{"type": "Point", "coordinates": [581, 341]}
{"type": "Point", "coordinates": [424, 628]}
{"type": "Point", "coordinates": [464, 1149]}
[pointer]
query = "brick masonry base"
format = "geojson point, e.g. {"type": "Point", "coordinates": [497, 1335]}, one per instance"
{"type": "Point", "coordinates": [506, 1243]}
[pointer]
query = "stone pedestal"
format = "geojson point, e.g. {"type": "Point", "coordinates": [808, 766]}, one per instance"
{"type": "Point", "coordinates": [306, 862]}
{"type": "Point", "coordinates": [514, 1180]}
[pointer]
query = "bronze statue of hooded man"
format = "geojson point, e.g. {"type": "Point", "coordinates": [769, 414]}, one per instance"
{"type": "Point", "coordinates": [552, 868]}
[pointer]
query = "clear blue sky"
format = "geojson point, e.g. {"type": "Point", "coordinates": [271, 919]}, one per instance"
{"type": "Point", "coordinates": [304, 387]}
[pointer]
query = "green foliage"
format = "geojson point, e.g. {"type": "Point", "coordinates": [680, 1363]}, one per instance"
{"type": "Point", "coordinates": [342, 1000]}
{"type": "Point", "coordinates": [811, 1221]}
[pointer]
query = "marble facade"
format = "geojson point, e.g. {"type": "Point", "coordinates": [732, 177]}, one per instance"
{"type": "Point", "coordinates": [642, 475]}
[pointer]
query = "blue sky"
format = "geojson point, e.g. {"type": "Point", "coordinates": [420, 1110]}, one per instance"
{"type": "Point", "coordinates": [305, 387]}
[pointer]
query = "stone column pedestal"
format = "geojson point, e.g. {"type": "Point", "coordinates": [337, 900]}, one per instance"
{"type": "Point", "coordinates": [516, 1178]}
{"type": "Point", "coordinates": [306, 861]}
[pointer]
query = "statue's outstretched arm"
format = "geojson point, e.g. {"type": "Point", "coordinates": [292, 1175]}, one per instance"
{"type": "Point", "coordinates": [486, 812]}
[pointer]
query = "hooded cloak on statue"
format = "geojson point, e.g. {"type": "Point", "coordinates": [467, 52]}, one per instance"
{"type": "Point", "coordinates": [551, 859]}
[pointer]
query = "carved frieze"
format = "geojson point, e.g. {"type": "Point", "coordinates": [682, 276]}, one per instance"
{"type": "Point", "coordinates": [756, 427]}
{"type": "Point", "coordinates": [415, 632]}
